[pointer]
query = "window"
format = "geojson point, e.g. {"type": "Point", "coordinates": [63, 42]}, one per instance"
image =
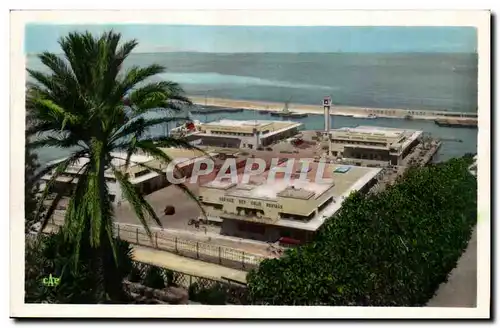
{"type": "Point", "coordinates": [141, 173]}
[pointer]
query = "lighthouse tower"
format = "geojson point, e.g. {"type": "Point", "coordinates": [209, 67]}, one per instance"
{"type": "Point", "coordinates": [327, 101]}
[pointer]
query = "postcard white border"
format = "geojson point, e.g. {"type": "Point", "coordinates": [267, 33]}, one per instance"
{"type": "Point", "coordinates": [478, 19]}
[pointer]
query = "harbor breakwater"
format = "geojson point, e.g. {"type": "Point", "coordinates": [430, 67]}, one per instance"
{"type": "Point", "coordinates": [233, 104]}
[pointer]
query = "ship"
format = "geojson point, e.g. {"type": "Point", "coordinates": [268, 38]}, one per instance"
{"type": "Point", "coordinates": [453, 123]}
{"type": "Point", "coordinates": [286, 113]}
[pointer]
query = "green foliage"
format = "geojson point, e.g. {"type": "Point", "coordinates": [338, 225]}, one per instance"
{"type": "Point", "coordinates": [135, 274]}
{"type": "Point", "coordinates": [87, 103]}
{"type": "Point", "coordinates": [51, 255]}
{"type": "Point", "coordinates": [389, 249]}
{"type": "Point", "coordinates": [215, 295]}
{"type": "Point", "coordinates": [31, 188]}
{"type": "Point", "coordinates": [154, 278]}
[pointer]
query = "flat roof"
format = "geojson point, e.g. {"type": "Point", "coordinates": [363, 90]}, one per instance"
{"type": "Point", "coordinates": [281, 188]}
{"type": "Point", "coordinates": [273, 125]}
{"type": "Point", "coordinates": [118, 160]}
{"type": "Point", "coordinates": [239, 123]}
{"type": "Point", "coordinates": [318, 220]}
{"type": "Point", "coordinates": [260, 187]}
{"type": "Point", "coordinates": [347, 179]}
{"type": "Point", "coordinates": [184, 152]}
{"type": "Point", "coordinates": [394, 136]}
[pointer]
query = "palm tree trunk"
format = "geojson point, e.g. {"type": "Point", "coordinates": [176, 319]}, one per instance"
{"type": "Point", "coordinates": [105, 252]}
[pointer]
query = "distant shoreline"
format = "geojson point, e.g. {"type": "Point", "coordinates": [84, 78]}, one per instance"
{"type": "Point", "coordinates": [361, 112]}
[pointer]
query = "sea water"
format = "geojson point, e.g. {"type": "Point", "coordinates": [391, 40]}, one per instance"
{"type": "Point", "coordinates": [411, 81]}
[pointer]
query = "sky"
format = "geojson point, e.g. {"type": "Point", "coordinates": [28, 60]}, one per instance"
{"type": "Point", "coordinates": [234, 39]}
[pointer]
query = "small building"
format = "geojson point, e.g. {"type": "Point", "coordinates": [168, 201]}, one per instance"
{"type": "Point", "coordinates": [389, 145]}
{"type": "Point", "coordinates": [284, 207]}
{"type": "Point", "coordinates": [145, 180]}
{"type": "Point", "coordinates": [238, 134]}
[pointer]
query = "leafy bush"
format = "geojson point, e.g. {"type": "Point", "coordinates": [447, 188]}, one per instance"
{"type": "Point", "coordinates": [215, 295]}
{"type": "Point", "coordinates": [47, 255]}
{"type": "Point", "coordinates": [389, 249]}
{"type": "Point", "coordinates": [154, 278]}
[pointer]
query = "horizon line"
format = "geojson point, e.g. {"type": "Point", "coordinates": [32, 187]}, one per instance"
{"type": "Point", "coordinates": [287, 53]}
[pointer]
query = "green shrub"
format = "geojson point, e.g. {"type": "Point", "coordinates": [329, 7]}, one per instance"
{"type": "Point", "coordinates": [154, 278]}
{"type": "Point", "coordinates": [47, 255]}
{"type": "Point", "coordinates": [215, 295]}
{"type": "Point", "coordinates": [389, 249]}
{"type": "Point", "coordinates": [135, 274]}
{"type": "Point", "coordinates": [169, 276]}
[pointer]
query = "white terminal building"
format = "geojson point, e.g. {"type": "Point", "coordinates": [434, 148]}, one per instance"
{"type": "Point", "coordinates": [379, 144]}
{"type": "Point", "coordinates": [238, 134]}
{"type": "Point", "coordinates": [268, 210]}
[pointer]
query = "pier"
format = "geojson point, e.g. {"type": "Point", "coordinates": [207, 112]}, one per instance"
{"type": "Point", "coordinates": [410, 114]}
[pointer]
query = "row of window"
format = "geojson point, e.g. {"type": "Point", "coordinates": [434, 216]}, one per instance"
{"type": "Point", "coordinates": [352, 142]}
{"type": "Point", "coordinates": [232, 133]}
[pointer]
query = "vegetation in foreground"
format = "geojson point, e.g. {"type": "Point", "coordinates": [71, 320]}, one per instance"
{"type": "Point", "coordinates": [389, 249]}
{"type": "Point", "coordinates": [393, 248]}
{"type": "Point", "coordinates": [90, 106]}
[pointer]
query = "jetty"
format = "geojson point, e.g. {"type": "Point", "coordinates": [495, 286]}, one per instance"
{"type": "Point", "coordinates": [362, 112]}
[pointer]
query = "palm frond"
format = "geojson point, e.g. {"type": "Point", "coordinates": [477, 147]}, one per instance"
{"type": "Point", "coordinates": [160, 96]}
{"type": "Point", "coordinates": [136, 75]}
{"type": "Point", "coordinates": [58, 169]}
{"type": "Point", "coordinates": [140, 125]}
{"type": "Point", "coordinates": [140, 205]}
{"type": "Point", "coordinates": [76, 224]}
{"type": "Point", "coordinates": [50, 141]}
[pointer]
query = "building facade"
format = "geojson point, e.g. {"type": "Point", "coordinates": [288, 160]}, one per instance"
{"type": "Point", "coordinates": [373, 143]}
{"type": "Point", "coordinates": [290, 208]}
{"type": "Point", "coordinates": [238, 134]}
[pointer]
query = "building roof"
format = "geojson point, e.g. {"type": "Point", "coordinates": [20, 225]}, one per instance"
{"type": "Point", "coordinates": [393, 137]}
{"type": "Point", "coordinates": [210, 140]}
{"type": "Point", "coordinates": [184, 152]}
{"type": "Point", "coordinates": [345, 178]}
{"type": "Point", "coordinates": [249, 125]}
{"type": "Point", "coordinates": [261, 186]}
{"type": "Point", "coordinates": [238, 123]}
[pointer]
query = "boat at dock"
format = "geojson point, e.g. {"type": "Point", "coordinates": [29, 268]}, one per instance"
{"type": "Point", "coordinates": [453, 123]}
{"type": "Point", "coordinates": [286, 113]}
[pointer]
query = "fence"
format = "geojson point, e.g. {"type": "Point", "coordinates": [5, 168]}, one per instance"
{"type": "Point", "coordinates": [236, 293]}
{"type": "Point", "coordinates": [164, 240]}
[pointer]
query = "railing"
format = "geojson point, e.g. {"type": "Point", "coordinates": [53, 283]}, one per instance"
{"type": "Point", "coordinates": [166, 241]}
{"type": "Point", "coordinates": [235, 291]}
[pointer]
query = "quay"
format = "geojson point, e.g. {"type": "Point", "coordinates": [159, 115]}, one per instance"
{"type": "Point", "coordinates": [231, 104]}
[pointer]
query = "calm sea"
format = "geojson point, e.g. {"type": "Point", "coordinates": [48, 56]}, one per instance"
{"type": "Point", "coordinates": [414, 81]}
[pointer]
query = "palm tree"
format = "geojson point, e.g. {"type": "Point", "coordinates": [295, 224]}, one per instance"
{"type": "Point", "coordinates": [79, 105]}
